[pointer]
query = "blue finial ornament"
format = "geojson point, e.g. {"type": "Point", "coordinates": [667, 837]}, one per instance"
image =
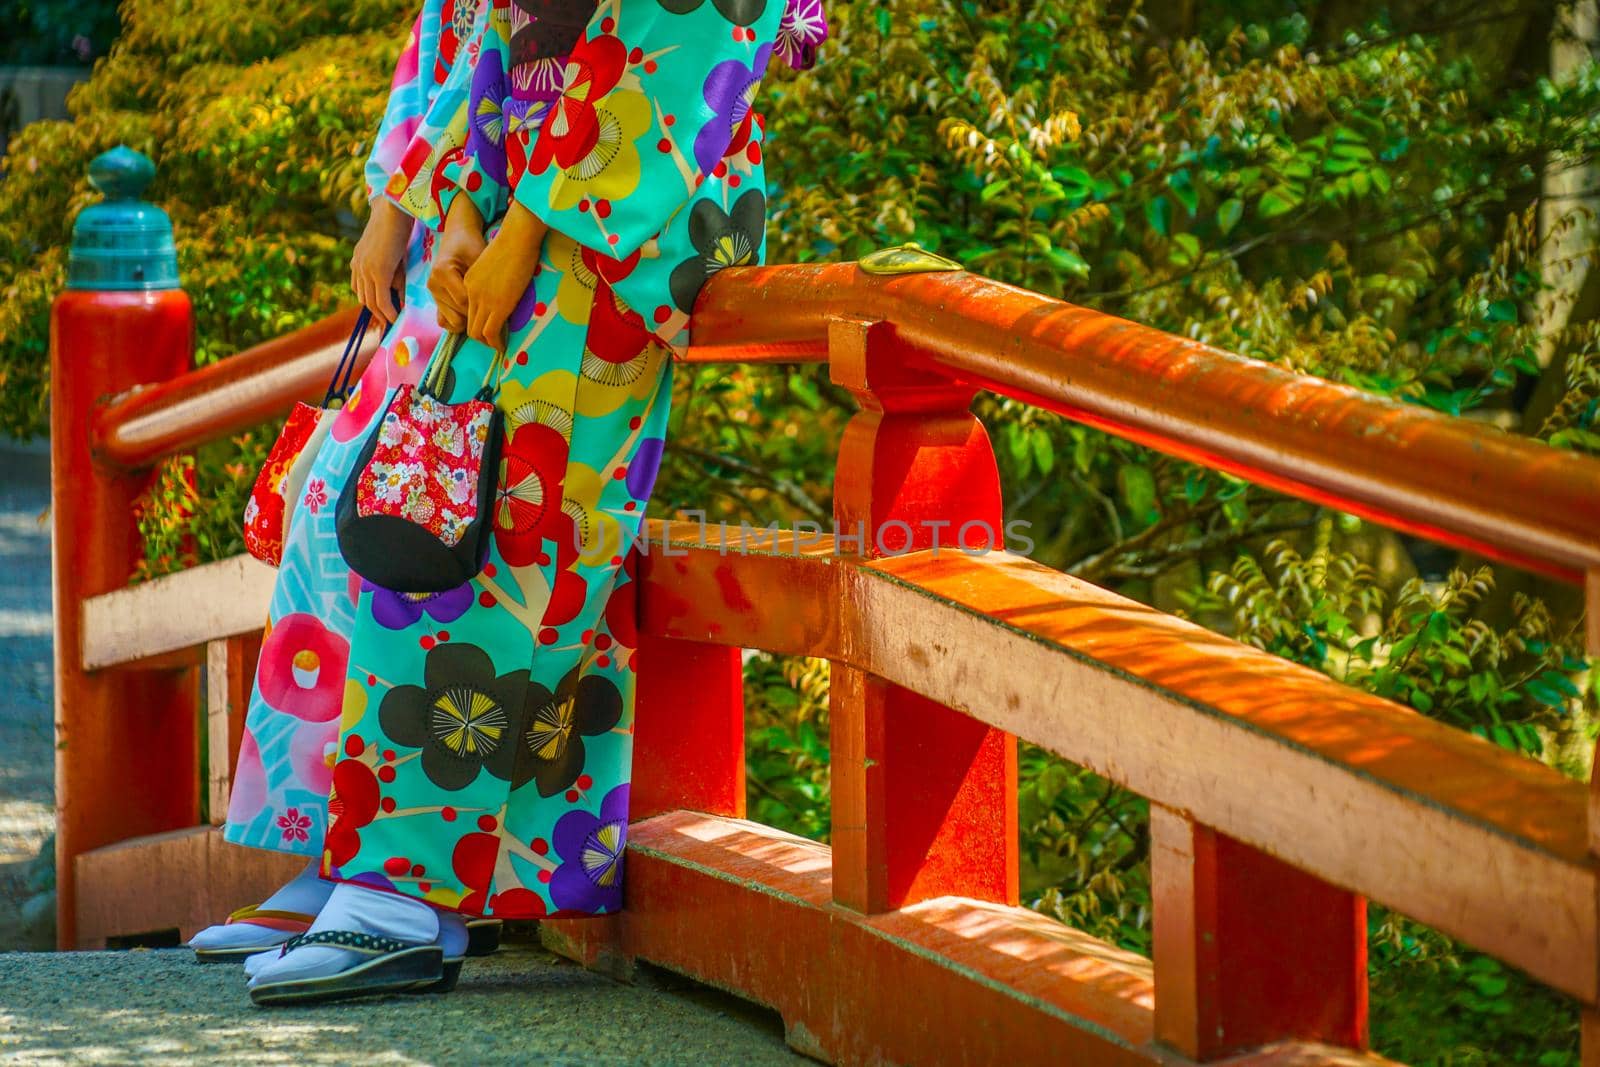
{"type": "Point", "coordinates": [122, 243]}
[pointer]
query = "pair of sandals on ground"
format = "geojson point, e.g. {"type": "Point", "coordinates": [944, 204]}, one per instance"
{"type": "Point", "coordinates": [313, 942]}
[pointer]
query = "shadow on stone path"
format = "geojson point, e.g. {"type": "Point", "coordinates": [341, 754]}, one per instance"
{"type": "Point", "coordinates": [27, 738]}
{"type": "Point", "coordinates": [519, 1006]}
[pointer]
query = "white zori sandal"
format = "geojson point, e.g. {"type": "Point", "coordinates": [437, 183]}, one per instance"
{"type": "Point", "coordinates": [258, 929]}
{"type": "Point", "coordinates": [392, 966]}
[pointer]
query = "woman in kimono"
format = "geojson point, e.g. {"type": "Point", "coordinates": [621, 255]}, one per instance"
{"type": "Point", "coordinates": [485, 740]}
{"type": "Point", "coordinates": [285, 764]}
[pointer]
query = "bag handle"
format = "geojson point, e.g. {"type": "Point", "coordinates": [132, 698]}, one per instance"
{"type": "Point", "coordinates": [339, 385]}
{"type": "Point", "coordinates": [433, 382]}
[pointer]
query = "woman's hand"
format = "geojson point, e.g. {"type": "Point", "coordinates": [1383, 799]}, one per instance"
{"type": "Point", "coordinates": [500, 277]}
{"type": "Point", "coordinates": [378, 264]}
{"type": "Point", "coordinates": [458, 248]}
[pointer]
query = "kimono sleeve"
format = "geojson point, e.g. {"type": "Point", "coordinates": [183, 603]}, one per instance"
{"type": "Point", "coordinates": [478, 171]}
{"type": "Point", "coordinates": [424, 180]}
{"type": "Point", "coordinates": [657, 93]}
{"type": "Point", "coordinates": [408, 100]}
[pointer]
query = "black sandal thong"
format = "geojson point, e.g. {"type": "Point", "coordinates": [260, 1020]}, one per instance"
{"type": "Point", "coordinates": [395, 967]}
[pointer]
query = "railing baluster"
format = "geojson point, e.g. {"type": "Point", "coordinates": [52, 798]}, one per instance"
{"type": "Point", "coordinates": [230, 667]}
{"type": "Point", "coordinates": [688, 738]}
{"type": "Point", "coordinates": [1247, 949]}
{"type": "Point", "coordinates": [924, 798]}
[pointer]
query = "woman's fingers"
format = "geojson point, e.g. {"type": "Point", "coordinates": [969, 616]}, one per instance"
{"type": "Point", "coordinates": [450, 293]}
{"type": "Point", "coordinates": [448, 289]}
{"type": "Point", "coordinates": [363, 289]}
{"type": "Point", "coordinates": [451, 321]}
{"type": "Point", "coordinates": [480, 322]}
{"type": "Point", "coordinates": [494, 326]}
{"type": "Point", "coordinates": [397, 289]}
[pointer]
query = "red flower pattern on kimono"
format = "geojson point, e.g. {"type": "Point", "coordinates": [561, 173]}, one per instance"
{"type": "Point", "coordinates": [573, 129]}
{"type": "Point", "coordinates": [457, 26]}
{"type": "Point", "coordinates": [528, 500]}
{"type": "Point", "coordinates": [352, 805]}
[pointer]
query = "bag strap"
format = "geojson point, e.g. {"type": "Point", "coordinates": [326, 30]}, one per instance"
{"type": "Point", "coordinates": [339, 385]}
{"type": "Point", "coordinates": [433, 382]}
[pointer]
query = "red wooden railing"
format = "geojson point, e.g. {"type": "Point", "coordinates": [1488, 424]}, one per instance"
{"type": "Point", "coordinates": [1280, 799]}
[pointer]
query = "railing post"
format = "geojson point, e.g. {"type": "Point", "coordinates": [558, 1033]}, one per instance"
{"type": "Point", "coordinates": [1248, 949]}
{"type": "Point", "coordinates": [126, 740]}
{"type": "Point", "coordinates": [924, 798]}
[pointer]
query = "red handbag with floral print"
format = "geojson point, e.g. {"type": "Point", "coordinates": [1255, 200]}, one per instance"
{"type": "Point", "coordinates": [283, 476]}
{"type": "Point", "coordinates": [414, 516]}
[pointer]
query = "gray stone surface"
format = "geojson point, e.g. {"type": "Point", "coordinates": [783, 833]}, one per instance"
{"type": "Point", "coordinates": [521, 1006]}
{"type": "Point", "coordinates": [27, 745]}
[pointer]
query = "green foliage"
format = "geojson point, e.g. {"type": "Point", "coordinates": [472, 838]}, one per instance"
{"type": "Point", "coordinates": [1085, 847]}
{"type": "Point", "coordinates": [190, 513]}
{"type": "Point", "coordinates": [258, 117]}
{"type": "Point", "coordinates": [786, 744]}
{"type": "Point", "coordinates": [1437, 1005]}
{"type": "Point", "coordinates": [1420, 646]}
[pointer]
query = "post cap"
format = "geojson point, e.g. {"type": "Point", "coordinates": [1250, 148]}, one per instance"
{"type": "Point", "coordinates": [122, 243]}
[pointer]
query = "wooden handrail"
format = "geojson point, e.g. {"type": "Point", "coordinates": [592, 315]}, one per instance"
{"type": "Point", "coordinates": [1432, 821]}
{"type": "Point", "coordinates": [260, 383]}
{"type": "Point", "coordinates": [1457, 482]}
{"type": "Point", "coordinates": [1454, 481]}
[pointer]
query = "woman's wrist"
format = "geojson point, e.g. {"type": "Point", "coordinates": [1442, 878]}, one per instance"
{"type": "Point", "coordinates": [464, 215]}
{"type": "Point", "coordinates": [387, 212]}
{"type": "Point", "coordinates": [523, 230]}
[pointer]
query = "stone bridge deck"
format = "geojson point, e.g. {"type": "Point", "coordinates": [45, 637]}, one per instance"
{"type": "Point", "coordinates": [519, 1006]}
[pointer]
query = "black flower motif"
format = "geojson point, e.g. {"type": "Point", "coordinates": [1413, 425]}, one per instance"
{"type": "Point", "coordinates": [720, 240]}
{"type": "Point", "coordinates": [463, 717]}
{"type": "Point", "coordinates": [552, 751]}
{"type": "Point", "coordinates": [545, 31]}
{"type": "Point", "coordinates": [738, 12]}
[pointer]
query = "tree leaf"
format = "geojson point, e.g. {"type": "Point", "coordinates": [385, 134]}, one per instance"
{"type": "Point", "coordinates": [1185, 249]}
{"type": "Point", "coordinates": [1229, 214]}
{"type": "Point", "coordinates": [1069, 261]}
{"type": "Point", "coordinates": [1138, 487]}
{"type": "Point", "coordinates": [1279, 200]}
{"type": "Point", "coordinates": [1158, 213]}
{"type": "Point", "coordinates": [1182, 187]}
{"type": "Point", "coordinates": [1044, 451]}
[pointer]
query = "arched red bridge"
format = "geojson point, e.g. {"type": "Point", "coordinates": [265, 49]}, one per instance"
{"type": "Point", "coordinates": [1280, 800]}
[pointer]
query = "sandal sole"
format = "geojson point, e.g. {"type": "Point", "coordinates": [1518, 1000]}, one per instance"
{"type": "Point", "coordinates": [483, 936]}
{"type": "Point", "coordinates": [452, 975]}
{"type": "Point", "coordinates": [398, 972]}
{"type": "Point", "coordinates": [231, 955]}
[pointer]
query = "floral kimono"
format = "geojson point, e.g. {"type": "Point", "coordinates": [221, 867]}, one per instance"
{"type": "Point", "coordinates": [486, 741]}
{"type": "Point", "coordinates": [285, 767]}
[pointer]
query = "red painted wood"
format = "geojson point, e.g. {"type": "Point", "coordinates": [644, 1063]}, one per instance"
{"type": "Point", "coordinates": [1249, 950]}
{"type": "Point", "coordinates": [924, 798]}
{"type": "Point", "coordinates": [746, 907]}
{"type": "Point", "coordinates": [127, 746]}
{"type": "Point", "coordinates": [688, 730]}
